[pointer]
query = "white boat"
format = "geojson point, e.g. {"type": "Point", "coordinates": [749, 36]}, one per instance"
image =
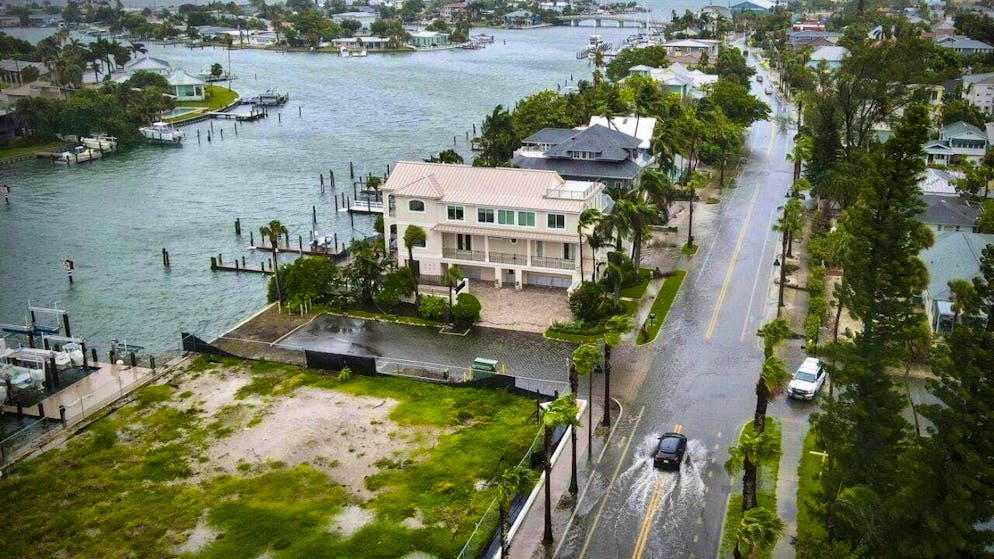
{"type": "Point", "coordinates": [79, 154]}
{"type": "Point", "coordinates": [162, 133]}
{"type": "Point", "coordinates": [62, 360]}
{"type": "Point", "coordinates": [359, 52]}
{"type": "Point", "coordinates": [73, 351]}
{"type": "Point", "coordinates": [271, 98]}
{"type": "Point", "coordinates": [21, 369]}
{"type": "Point", "coordinates": [100, 142]}
{"type": "Point", "coordinates": [344, 52]}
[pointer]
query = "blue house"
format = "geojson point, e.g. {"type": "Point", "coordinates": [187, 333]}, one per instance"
{"type": "Point", "coordinates": [520, 18]}
{"type": "Point", "coordinates": [758, 6]}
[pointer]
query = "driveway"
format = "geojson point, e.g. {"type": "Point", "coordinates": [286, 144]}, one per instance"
{"type": "Point", "coordinates": [532, 309]}
{"type": "Point", "coordinates": [524, 354]}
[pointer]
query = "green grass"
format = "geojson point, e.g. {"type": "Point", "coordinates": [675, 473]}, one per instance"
{"type": "Point", "coordinates": [217, 98]}
{"type": "Point", "coordinates": [661, 305]}
{"type": "Point", "coordinates": [636, 291]}
{"type": "Point", "coordinates": [121, 488]}
{"type": "Point", "coordinates": [766, 494]}
{"type": "Point", "coordinates": [809, 506]}
{"type": "Point", "coordinates": [630, 307]}
{"type": "Point", "coordinates": [574, 338]}
{"type": "Point", "coordinates": [17, 150]}
{"type": "Point", "coordinates": [399, 319]}
{"type": "Point", "coordinates": [712, 200]}
{"type": "Point", "coordinates": [689, 250]}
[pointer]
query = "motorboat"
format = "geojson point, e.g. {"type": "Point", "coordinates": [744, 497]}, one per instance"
{"type": "Point", "coordinates": [73, 351]}
{"type": "Point", "coordinates": [162, 133]}
{"type": "Point", "coordinates": [271, 98]}
{"type": "Point", "coordinates": [100, 142]}
{"type": "Point", "coordinates": [23, 370]}
{"type": "Point", "coordinates": [62, 360]}
{"type": "Point", "coordinates": [343, 52]}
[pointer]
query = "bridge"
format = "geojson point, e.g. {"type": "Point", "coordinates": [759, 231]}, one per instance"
{"type": "Point", "coordinates": [636, 20]}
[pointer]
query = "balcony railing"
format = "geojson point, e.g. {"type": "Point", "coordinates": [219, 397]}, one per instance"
{"type": "Point", "coordinates": [457, 254]}
{"type": "Point", "coordinates": [509, 258]}
{"type": "Point", "coordinates": [557, 263]}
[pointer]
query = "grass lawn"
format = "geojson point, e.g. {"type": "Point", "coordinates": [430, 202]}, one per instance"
{"type": "Point", "coordinates": [808, 504]}
{"type": "Point", "coordinates": [636, 291]}
{"type": "Point", "coordinates": [766, 496]}
{"type": "Point", "coordinates": [23, 149]}
{"type": "Point", "coordinates": [400, 319]}
{"type": "Point", "coordinates": [137, 482]}
{"type": "Point", "coordinates": [217, 98]}
{"type": "Point", "coordinates": [661, 306]}
{"type": "Point", "coordinates": [574, 338]}
{"type": "Point", "coordinates": [689, 250]}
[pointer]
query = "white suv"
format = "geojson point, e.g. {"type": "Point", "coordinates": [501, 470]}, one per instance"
{"type": "Point", "coordinates": [807, 380]}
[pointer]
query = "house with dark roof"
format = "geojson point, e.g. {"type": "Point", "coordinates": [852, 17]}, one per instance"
{"type": "Point", "coordinates": [595, 153]}
{"type": "Point", "coordinates": [957, 140]}
{"type": "Point", "coordinates": [950, 213]}
{"type": "Point", "coordinates": [955, 255]}
{"type": "Point", "coordinates": [963, 44]}
{"type": "Point", "coordinates": [757, 6]}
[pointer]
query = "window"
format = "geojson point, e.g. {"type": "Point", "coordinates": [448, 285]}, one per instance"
{"type": "Point", "coordinates": [567, 252]}
{"type": "Point", "coordinates": [526, 219]}
{"type": "Point", "coordinates": [557, 221]}
{"type": "Point", "coordinates": [538, 249]}
{"type": "Point", "coordinates": [505, 217]}
{"type": "Point", "coordinates": [455, 213]}
{"type": "Point", "coordinates": [416, 206]}
{"type": "Point", "coordinates": [485, 215]}
{"type": "Point", "coordinates": [464, 242]}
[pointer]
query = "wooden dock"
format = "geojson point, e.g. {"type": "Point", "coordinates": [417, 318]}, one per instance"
{"type": "Point", "coordinates": [364, 207]}
{"type": "Point", "coordinates": [320, 251]}
{"type": "Point", "coordinates": [218, 266]}
{"type": "Point", "coordinates": [74, 158]}
{"type": "Point", "coordinates": [240, 117]}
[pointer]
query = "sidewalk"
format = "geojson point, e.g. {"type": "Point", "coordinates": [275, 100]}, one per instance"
{"type": "Point", "coordinates": [526, 540]}
{"type": "Point", "coordinates": [794, 429]}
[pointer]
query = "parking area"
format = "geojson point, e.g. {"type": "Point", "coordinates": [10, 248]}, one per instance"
{"type": "Point", "coordinates": [523, 354]}
{"type": "Point", "coordinates": [532, 309]}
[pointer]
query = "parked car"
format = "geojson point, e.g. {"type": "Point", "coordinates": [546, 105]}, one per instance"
{"type": "Point", "coordinates": [807, 381]}
{"type": "Point", "coordinates": [768, 90]}
{"type": "Point", "coordinates": [669, 453]}
{"type": "Point", "coordinates": [759, 78]}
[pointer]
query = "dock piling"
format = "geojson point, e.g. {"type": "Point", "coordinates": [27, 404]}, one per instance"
{"type": "Point", "coordinates": [251, 238]}
{"type": "Point", "coordinates": [222, 132]}
{"type": "Point", "coordinates": [331, 178]}
{"type": "Point", "coordinates": [238, 226]}
{"type": "Point", "coordinates": [243, 261]}
{"type": "Point", "coordinates": [351, 170]}
{"type": "Point", "coordinates": [93, 352]}
{"type": "Point", "coordinates": [300, 110]}
{"type": "Point", "coordinates": [314, 214]}
{"type": "Point", "coordinates": [212, 126]}
{"type": "Point", "coordinates": [198, 136]}
{"type": "Point", "coordinates": [213, 263]}
{"type": "Point", "coordinates": [134, 359]}
{"type": "Point", "coordinates": [300, 243]}
{"type": "Point", "coordinates": [321, 178]}
{"type": "Point", "coordinates": [474, 129]}
{"type": "Point", "coordinates": [336, 242]}
{"type": "Point", "coordinates": [279, 118]}
{"type": "Point", "coordinates": [165, 257]}
{"type": "Point", "coordinates": [453, 140]}
{"type": "Point", "coordinates": [336, 205]}
{"type": "Point", "coordinates": [287, 237]}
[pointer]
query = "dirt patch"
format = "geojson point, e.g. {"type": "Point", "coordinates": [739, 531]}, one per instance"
{"type": "Point", "coordinates": [268, 326]}
{"type": "Point", "coordinates": [532, 309]}
{"type": "Point", "coordinates": [341, 434]}
{"type": "Point", "coordinates": [200, 537]}
{"type": "Point", "coordinates": [213, 390]}
{"type": "Point", "coordinates": [350, 520]}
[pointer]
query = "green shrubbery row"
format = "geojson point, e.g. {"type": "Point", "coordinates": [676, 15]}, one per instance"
{"type": "Point", "coordinates": [817, 303]}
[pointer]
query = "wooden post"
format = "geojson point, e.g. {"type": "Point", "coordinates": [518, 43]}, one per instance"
{"type": "Point", "coordinates": [55, 372]}
{"type": "Point", "coordinates": [222, 133]}
{"type": "Point", "coordinates": [300, 112]}
{"type": "Point", "coordinates": [165, 258]}
{"type": "Point", "coordinates": [336, 242]}
{"type": "Point", "coordinates": [279, 117]}
{"type": "Point", "coordinates": [286, 236]}
{"type": "Point", "coordinates": [243, 261]}
{"type": "Point", "coordinates": [93, 352]}
{"type": "Point", "coordinates": [331, 178]}
{"type": "Point", "coordinates": [351, 170]}
{"type": "Point", "coordinates": [213, 263]}
{"type": "Point", "coordinates": [83, 346]}
{"type": "Point", "coordinates": [474, 129]}
{"type": "Point", "coordinates": [314, 214]}
{"type": "Point", "coordinates": [321, 178]}
{"type": "Point", "coordinates": [212, 126]}
{"type": "Point", "coordinates": [134, 359]}
{"type": "Point", "coordinates": [252, 238]}
{"type": "Point", "coordinates": [220, 260]}
{"type": "Point", "coordinates": [238, 226]}
{"type": "Point", "coordinates": [336, 204]}
{"type": "Point", "coordinates": [198, 136]}
{"type": "Point", "coordinates": [300, 244]}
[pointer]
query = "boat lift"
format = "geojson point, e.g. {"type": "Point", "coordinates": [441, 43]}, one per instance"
{"type": "Point", "coordinates": [32, 328]}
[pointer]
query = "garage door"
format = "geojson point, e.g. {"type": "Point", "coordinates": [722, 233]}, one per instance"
{"type": "Point", "coordinates": [548, 281]}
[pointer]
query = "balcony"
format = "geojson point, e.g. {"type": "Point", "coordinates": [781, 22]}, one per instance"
{"type": "Point", "coordinates": [556, 263]}
{"type": "Point", "coordinates": [456, 254]}
{"type": "Point", "coordinates": [509, 258]}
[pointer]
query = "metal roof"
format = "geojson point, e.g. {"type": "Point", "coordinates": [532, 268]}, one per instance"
{"type": "Point", "coordinates": [955, 255]}
{"type": "Point", "coordinates": [581, 168]}
{"type": "Point", "coordinates": [950, 210]}
{"type": "Point", "coordinates": [483, 186]}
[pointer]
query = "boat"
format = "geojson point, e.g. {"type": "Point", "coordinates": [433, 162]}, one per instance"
{"type": "Point", "coordinates": [209, 77]}
{"type": "Point", "coordinates": [100, 142]}
{"type": "Point", "coordinates": [271, 98]}
{"type": "Point", "coordinates": [79, 154]}
{"type": "Point", "coordinates": [358, 52]}
{"type": "Point", "coordinates": [71, 350]}
{"type": "Point", "coordinates": [62, 360]}
{"type": "Point", "coordinates": [22, 369]}
{"type": "Point", "coordinates": [343, 52]}
{"type": "Point", "coordinates": [483, 38]}
{"type": "Point", "coordinates": [162, 133]}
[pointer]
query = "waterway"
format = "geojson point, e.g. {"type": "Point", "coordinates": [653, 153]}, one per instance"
{"type": "Point", "coordinates": [113, 217]}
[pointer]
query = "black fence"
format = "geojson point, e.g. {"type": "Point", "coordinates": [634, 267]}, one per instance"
{"type": "Point", "coordinates": [194, 344]}
{"type": "Point", "coordinates": [338, 361]}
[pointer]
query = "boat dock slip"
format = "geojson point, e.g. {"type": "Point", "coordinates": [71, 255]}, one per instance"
{"type": "Point", "coordinates": [240, 117]}
{"type": "Point", "coordinates": [218, 266]}
{"type": "Point", "coordinates": [106, 384]}
{"type": "Point", "coordinates": [319, 251]}
{"type": "Point", "coordinates": [364, 207]}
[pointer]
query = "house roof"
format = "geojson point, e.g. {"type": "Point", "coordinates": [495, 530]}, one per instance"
{"type": "Point", "coordinates": [830, 54]}
{"type": "Point", "coordinates": [609, 144]}
{"type": "Point", "coordinates": [962, 130]}
{"type": "Point", "coordinates": [487, 186]}
{"type": "Point", "coordinates": [691, 43]}
{"type": "Point", "coordinates": [940, 182]}
{"type": "Point", "coordinates": [961, 42]}
{"type": "Point", "coordinates": [764, 4]}
{"type": "Point", "coordinates": [971, 79]}
{"type": "Point", "coordinates": [12, 65]}
{"type": "Point", "coordinates": [518, 13]}
{"type": "Point", "coordinates": [147, 63]}
{"type": "Point", "coordinates": [950, 210]}
{"type": "Point", "coordinates": [550, 136]}
{"type": "Point", "coordinates": [637, 127]}
{"type": "Point", "coordinates": [179, 77]}
{"type": "Point", "coordinates": [955, 255]}
{"type": "Point", "coordinates": [624, 170]}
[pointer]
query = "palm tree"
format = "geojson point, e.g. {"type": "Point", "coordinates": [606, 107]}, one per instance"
{"type": "Point", "coordinates": [273, 232]}
{"type": "Point", "coordinates": [414, 236]}
{"type": "Point", "coordinates": [588, 220]}
{"type": "Point", "coordinates": [801, 152]}
{"type": "Point", "coordinates": [753, 449]}
{"type": "Point", "coordinates": [137, 48]}
{"type": "Point", "coordinates": [772, 379]}
{"type": "Point", "coordinates": [657, 189]}
{"type": "Point", "coordinates": [773, 333]}
{"type": "Point", "coordinates": [696, 181]}
{"type": "Point", "coordinates": [511, 482]}
{"type": "Point", "coordinates": [561, 411]}
{"type": "Point", "coordinates": [453, 275]}
{"type": "Point", "coordinates": [582, 362]}
{"type": "Point", "coordinates": [596, 240]}
{"type": "Point", "coordinates": [790, 221]}
{"type": "Point", "coordinates": [613, 329]}
{"type": "Point", "coordinates": [759, 529]}
{"type": "Point", "coordinates": [631, 217]}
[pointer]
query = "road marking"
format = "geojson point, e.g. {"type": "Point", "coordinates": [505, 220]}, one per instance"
{"type": "Point", "coordinates": [731, 266]}
{"type": "Point", "coordinates": [607, 491]}
{"type": "Point", "coordinates": [759, 270]}
{"type": "Point", "coordinates": [650, 511]}
{"type": "Point", "coordinates": [678, 428]}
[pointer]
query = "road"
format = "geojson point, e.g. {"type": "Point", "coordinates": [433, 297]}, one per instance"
{"type": "Point", "coordinates": [699, 375]}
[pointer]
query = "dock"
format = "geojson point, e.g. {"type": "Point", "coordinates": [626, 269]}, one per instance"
{"type": "Point", "coordinates": [106, 383]}
{"type": "Point", "coordinates": [364, 207]}
{"type": "Point", "coordinates": [240, 117]}
{"type": "Point", "coordinates": [71, 157]}
{"type": "Point", "coordinates": [319, 251]}
{"type": "Point", "coordinates": [217, 265]}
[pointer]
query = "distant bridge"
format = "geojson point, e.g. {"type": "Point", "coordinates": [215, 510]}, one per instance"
{"type": "Point", "coordinates": [621, 19]}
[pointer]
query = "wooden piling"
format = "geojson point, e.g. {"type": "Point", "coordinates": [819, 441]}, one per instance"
{"type": "Point", "coordinates": [336, 204]}
{"type": "Point", "coordinates": [165, 257]}
{"type": "Point", "coordinates": [351, 170]}
{"type": "Point", "coordinates": [331, 178]}
{"type": "Point", "coordinates": [213, 263]}
{"type": "Point", "coordinates": [314, 214]}
{"type": "Point", "coordinates": [300, 110]}
{"type": "Point", "coordinates": [251, 238]}
{"type": "Point", "coordinates": [243, 261]}
{"type": "Point", "coordinates": [198, 135]}
{"type": "Point", "coordinates": [287, 237]}
{"type": "Point", "coordinates": [238, 226]}
{"type": "Point", "coordinates": [300, 243]}
{"type": "Point", "coordinates": [321, 178]}
{"type": "Point", "coordinates": [220, 261]}
{"type": "Point", "coordinates": [222, 133]}
{"type": "Point", "coordinates": [279, 117]}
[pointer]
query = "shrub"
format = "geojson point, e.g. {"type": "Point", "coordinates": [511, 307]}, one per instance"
{"type": "Point", "coordinates": [585, 301]}
{"type": "Point", "coordinates": [811, 325]}
{"type": "Point", "coordinates": [432, 307]}
{"type": "Point", "coordinates": [396, 284]}
{"type": "Point", "coordinates": [466, 311]}
{"type": "Point", "coordinates": [816, 283]}
{"type": "Point", "coordinates": [345, 374]}
{"type": "Point", "coordinates": [305, 279]}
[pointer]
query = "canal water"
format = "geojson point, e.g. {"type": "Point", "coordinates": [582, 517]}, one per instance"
{"type": "Point", "coordinates": [113, 217]}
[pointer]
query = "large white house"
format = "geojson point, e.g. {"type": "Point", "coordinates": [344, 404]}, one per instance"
{"type": "Point", "coordinates": [505, 225]}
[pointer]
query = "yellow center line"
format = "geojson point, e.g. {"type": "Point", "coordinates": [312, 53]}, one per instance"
{"type": "Point", "coordinates": [731, 267]}
{"type": "Point", "coordinates": [678, 428]}
{"type": "Point", "coordinates": [650, 511]}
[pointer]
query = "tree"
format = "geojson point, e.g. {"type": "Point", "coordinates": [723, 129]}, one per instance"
{"type": "Point", "coordinates": [450, 156]}
{"type": "Point", "coordinates": [985, 221]}
{"type": "Point", "coordinates": [561, 411]}
{"type": "Point", "coordinates": [735, 101]}
{"type": "Point", "coordinates": [305, 280]}
{"type": "Point", "coordinates": [801, 152]}
{"type": "Point", "coordinates": [790, 222]}
{"type": "Point", "coordinates": [654, 57]}
{"type": "Point", "coordinates": [217, 70]}
{"type": "Point", "coordinates": [466, 311]}
{"type": "Point", "coordinates": [29, 74]}
{"type": "Point", "coordinates": [582, 363]}
{"type": "Point", "coordinates": [71, 13]}
{"type": "Point", "coordinates": [365, 269]}
{"type": "Point", "coordinates": [752, 450]}
{"type": "Point", "coordinates": [396, 283]}
{"type": "Point", "coordinates": [545, 109]}
{"type": "Point", "coordinates": [759, 529]}
{"type": "Point", "coordinates": [657, 189]}
{"type": "Point", "coordinates": [588, 220]}
{"type": "Point", "coordinates": [731, 65]}
{"type": "Point", "coordinates": [272, 232]}
{"type": "Point", "coordinates": [774, 333]}
{"type": "Point", "coordinates": [958, 110]}
{"type": "Point", "coordinates": [414, 236]}
{"type": "Point", "coordinates": [498, 139]}
{"type": "Point", "coordinates": [772, 379]}
{"type": "Point", "coordinates": [511, 482]}
{"type": "Point", "coordinates": [453, 275]}
{"type": "Point", "coordinates": [613, 329]}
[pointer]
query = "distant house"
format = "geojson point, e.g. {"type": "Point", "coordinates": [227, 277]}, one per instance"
{"type": "Point", "coordinates": [708, 46]}
{"type": "Point", "coordinates": [758, 6]}
{"type": "Point", "coordinates": [797, 40]}
{"type": "Point", "coordinates": [365, 19]}
{"type": "Point", "coordinates": [428, 39]}
{"type": "Point", "coordinates": [807, 25]}
{"type": "Point", "coordinates": [555, 5]}
{"type": "Point", "coordinates": [955, 255]}
{"type": "Point", "coordinates": [958, 140]}
{"type": "Point", "coordinates": [520, 18]}
{"type": "Point", "coordinates": [261, 38]}
{"type": "Point", "coordinates": [963, 44]}
{"type": "Point", "coordinates": [368, 43]}
{"type": "Point", "coordinates": [147, 64]}
{"type": "Point", "coordinates": [978, 90]}
{"type": "Point", "coordinates": [592, 153]}
{"type": "Point", "coordinates": [184, 86]}
{"type": "Point", "coordinates": [453, 11]}
{"type": "Point", "coordinates": [950, 213]}
{"type": "Point", "coordinates": [10, 70]}
{"type": "Point", "coordinates": [719, 12]}
{"type": "Point", "coordinates": [10, 21]}
{"type": "Point", "coordinates": [831, 56]}
{"type": "Point", "coordinates": [38, 88]}
{"type": "Point", "coordinates": [677, 79]}
{"type": "Point", "coordinates": [940, 182]}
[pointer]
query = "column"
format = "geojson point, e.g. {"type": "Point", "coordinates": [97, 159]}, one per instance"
{"type": "Point", "coordinates": [486, 248]}
{"type": "Point", "coordinates": [528, 252]}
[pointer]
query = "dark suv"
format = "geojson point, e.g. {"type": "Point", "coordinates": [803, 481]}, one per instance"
{"type": "Point", "coordinates": [669, 453]}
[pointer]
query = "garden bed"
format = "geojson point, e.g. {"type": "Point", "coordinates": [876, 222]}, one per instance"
{"type": "Point", "coordinates": [240, 459]}
{"type": "Point", "coordinates": [766, 494]}
{"type": "Point", "coordinates": [661, 305]}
